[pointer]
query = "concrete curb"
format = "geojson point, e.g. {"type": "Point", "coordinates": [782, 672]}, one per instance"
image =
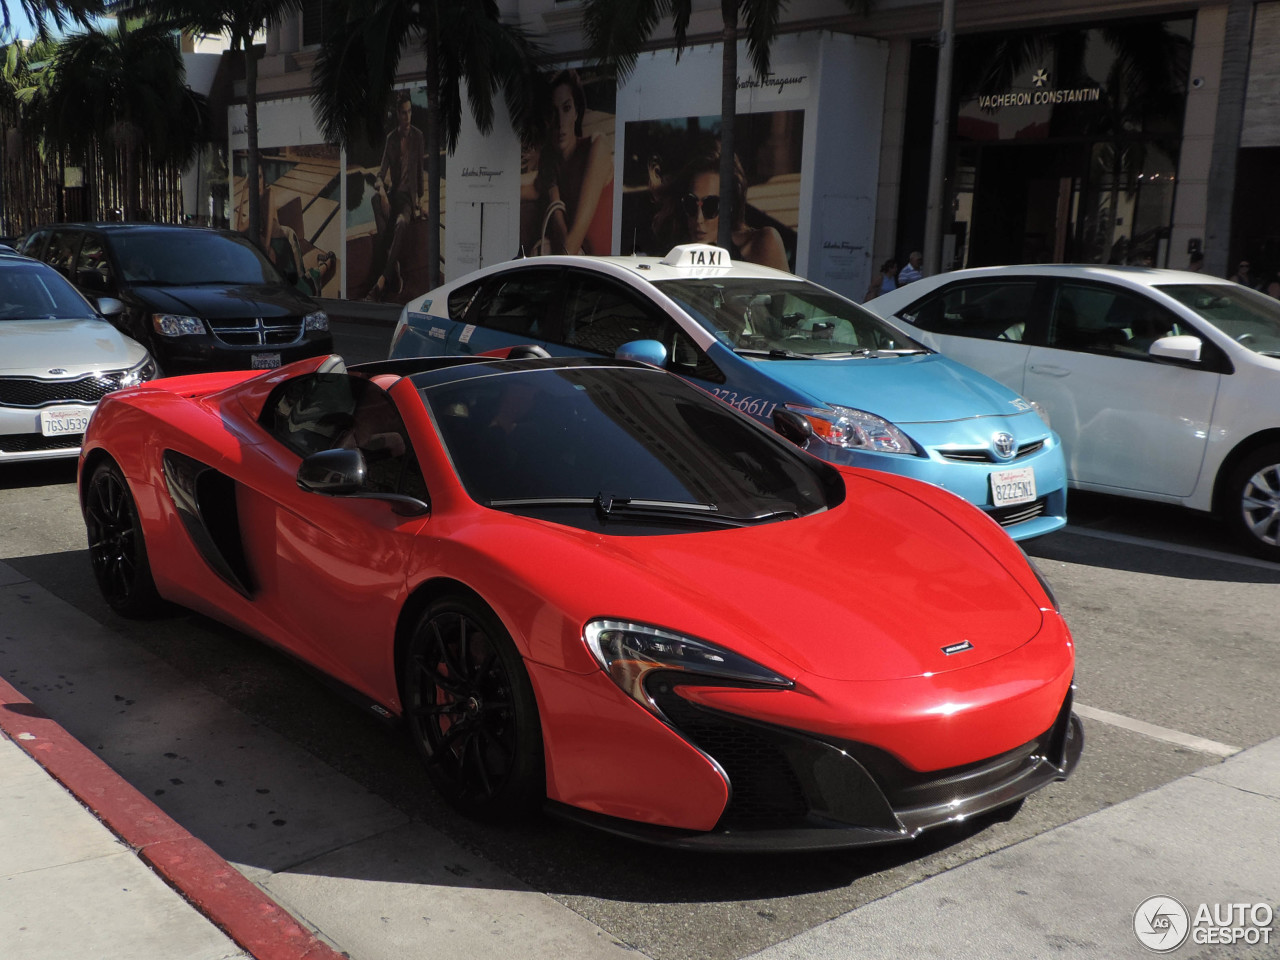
{"type": "Point", "coordinates": [243, 912]}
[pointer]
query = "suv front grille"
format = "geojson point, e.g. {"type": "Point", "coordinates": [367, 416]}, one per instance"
{"type": "Point", "coordinates": [256, 331]}
{"type": "Point", "coordinates": [34, 392]}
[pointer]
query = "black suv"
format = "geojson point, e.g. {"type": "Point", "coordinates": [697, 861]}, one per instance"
{"type": "Point", "coordinates": [199, 299]}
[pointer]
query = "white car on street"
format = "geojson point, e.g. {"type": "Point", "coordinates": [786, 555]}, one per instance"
{"type": "Point", "coordinates": [1162, 384]}
{"type": "Point", "coordinates": [58, 357]}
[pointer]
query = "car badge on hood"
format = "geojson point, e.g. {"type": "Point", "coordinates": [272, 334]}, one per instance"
{"type": "Point", "coordinates": [57, 372]}
{"type": "Point", "coordinates": [1004, 445]}
{"type": "Point", "coordinates": [960, 647]}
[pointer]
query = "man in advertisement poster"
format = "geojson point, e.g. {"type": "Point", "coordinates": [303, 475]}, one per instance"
{"type": "Point", "coordinates": [398, 198]}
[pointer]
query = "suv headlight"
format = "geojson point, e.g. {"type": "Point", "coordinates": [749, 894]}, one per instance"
{"type": "Point", "coordinates": [629, 652]}
{"type": "Point", "coordinates": [140, 373]}
{"type": "Point", "coordinates": [316, 321]}
{"type": "Point", "coordinates": [853, 429]}
{"type": "Point", "coordinates": [176, 325]}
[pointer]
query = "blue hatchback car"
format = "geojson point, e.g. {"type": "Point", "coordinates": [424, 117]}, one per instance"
{"type": "Point", "coordinates": [863, 390]}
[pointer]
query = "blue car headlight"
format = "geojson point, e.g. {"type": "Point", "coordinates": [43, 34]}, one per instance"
{"type": "Point", "coordinates": [852, 429]}
{"type": "Point", "coordinates": [628, 652]}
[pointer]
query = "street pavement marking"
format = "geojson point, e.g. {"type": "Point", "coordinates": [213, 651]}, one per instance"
{"type": "Point", "coordinates": [1199, 744]}
{"type": "Point", "coordinates": [1173, 547]}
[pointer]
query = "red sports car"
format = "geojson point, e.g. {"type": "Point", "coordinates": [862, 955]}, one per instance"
{"type": "Point", "coordinates": [589, 585]}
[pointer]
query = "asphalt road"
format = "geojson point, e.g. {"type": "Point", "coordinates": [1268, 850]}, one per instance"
{"type": "Point", "coordinates": [1177, 660]}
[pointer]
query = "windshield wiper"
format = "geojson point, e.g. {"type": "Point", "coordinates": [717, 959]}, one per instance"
{"type": "Point", "coordinates": [612, 507]}
{"type": "Point", "coordinates": [773, 353]}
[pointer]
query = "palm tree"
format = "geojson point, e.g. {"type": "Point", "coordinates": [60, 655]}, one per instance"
{"type": "Point", "coordinates": [463, 42]}
{"type": "Point", "coordinates": [617, 31]}
{"type": "Point", "coordinates": [239, 20]}
{"type": "Point", "coordinates": [61, 13]}
{"type": "Point", "coordinates": [126, 89]}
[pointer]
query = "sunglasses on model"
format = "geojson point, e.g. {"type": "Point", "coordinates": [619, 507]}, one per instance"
{"type": "Point", "coordinates": [710, 205]}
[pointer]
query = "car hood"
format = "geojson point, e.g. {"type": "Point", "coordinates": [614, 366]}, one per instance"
{"type": "Point", "coordinates": [912, 389]}
{"type": "Point", "coordinates": [34, 347]}
{"type": "Point", "coordinates": [225, 300]}
{"type": "Point", "coordinates": [874, 589]}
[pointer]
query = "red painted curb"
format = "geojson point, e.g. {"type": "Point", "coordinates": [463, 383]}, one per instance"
{"type": "Point", "coordinates": [243, 912]}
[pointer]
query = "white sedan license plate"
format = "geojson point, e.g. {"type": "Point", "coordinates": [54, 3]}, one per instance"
{"type": "Point", "coordinates": [60, 421]}
{"type": "Point", "coordinates": [1013, 486]}
{"type": "Point", "coordinates": [264, 361]}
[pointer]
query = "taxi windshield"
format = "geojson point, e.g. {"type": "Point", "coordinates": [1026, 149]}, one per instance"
{"type": "Point", "coordinates": [785, 318]}
{"type": "Point", "coordinates": [1249, 317]}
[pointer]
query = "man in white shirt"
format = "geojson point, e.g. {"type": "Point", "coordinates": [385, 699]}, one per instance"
{"type": "Point", "coordinates": [912, 270]}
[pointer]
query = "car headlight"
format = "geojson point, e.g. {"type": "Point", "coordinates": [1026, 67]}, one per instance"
{"type": "Point", "coordinates": [855, 429]}
{"type": "Point", "coordinates": [176, 325]}
{"type": "Point", "coordinates": [1044, 414]}
{"type": "Point", "coordinates": [140, 372]}
{"type": "Point", "coordinates": [316, 321]}
{"type": "Point", "coordinates": [629, 651]}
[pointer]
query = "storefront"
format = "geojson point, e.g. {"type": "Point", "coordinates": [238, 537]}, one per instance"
{"type": "Point", "coordinates": [1065, 144]}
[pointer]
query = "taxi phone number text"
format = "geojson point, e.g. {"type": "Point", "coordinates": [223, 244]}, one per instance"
{"type": "Point", "coordinates": [756, 406]}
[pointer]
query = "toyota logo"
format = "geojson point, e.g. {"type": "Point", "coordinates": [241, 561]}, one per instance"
{"type": "Point", "coordinates": [1004, 445]}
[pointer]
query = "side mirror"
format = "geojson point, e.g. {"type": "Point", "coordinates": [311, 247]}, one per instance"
{"type": "Point", "coordinates": [643, 351]}
{"type": "Point", "coordinates": [1185, 348]}
{"type": "Point", "coordinates": [110, 306]}
{"type": "Point", "coordinates": [792, 426]}
{"type": "Point", "coordinates": [332, 472]}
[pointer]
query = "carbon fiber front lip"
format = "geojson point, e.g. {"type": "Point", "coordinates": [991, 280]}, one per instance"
{"type": "Point", "coordinates": [817, 833]}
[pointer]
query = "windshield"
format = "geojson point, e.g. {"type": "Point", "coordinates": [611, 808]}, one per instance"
{"type": "Point", "coordinates": [785, 318]}
{"type": "Point", "coordinates": [32, 291]}
{"type": "Point", "coordinates": [1249, 317]}
{"type": "Point", "coordinates": [586, 446]}
{"type": "Point", "coordinates": [181, 257]}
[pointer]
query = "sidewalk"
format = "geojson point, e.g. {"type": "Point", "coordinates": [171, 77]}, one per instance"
{"type": "Point", "coordinates": [90, 869]}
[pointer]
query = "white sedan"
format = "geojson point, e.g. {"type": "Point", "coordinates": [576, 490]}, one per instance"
{"type": "Point", "coordinates": [1162, 384]}
{"type": "Point", "coordinates": [58, 357]}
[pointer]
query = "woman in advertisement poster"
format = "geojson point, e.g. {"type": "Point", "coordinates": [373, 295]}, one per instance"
{"type": "Point", "coordinates": [575, 177]}
{"type": "Point", "coordinates": [689, 212]}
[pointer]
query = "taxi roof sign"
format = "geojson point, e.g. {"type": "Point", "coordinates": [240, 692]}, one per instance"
{"type": "Point", "coordinates": [697, 255]}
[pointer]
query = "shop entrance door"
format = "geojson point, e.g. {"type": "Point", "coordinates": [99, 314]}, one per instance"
{"type": "Point", "coordinates": [1024, 205]}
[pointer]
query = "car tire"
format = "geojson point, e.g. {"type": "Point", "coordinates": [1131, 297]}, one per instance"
{"type": "Point", "coordinates": [1252, 502]}
{"type": "Point", "coordinates": [117, 548]}
{"type": "Point", "coordinates": [470, 709]}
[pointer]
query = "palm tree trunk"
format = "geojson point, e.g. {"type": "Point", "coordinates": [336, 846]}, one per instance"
{"type": "Point", "coordinates": [729, 212]}
{"type": "Point", "coordinates": [433, 159]}
{"type": "Point", "coordinates": [251, 132]}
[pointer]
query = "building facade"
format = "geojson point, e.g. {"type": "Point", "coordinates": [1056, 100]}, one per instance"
{"type": "Point", "coordinates": [1107, 132]}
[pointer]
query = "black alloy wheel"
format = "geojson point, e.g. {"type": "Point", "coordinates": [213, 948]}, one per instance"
{"type": "Point", "coordinates": [117, 549]}
{"type": "Point", "coordinates": [471, 711]}
{"type": "Point", "coordinates": [1253, 502]}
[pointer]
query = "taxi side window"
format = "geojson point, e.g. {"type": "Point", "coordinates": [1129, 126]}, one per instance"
{"type": "Point", "coordinates": [93, 266]}
{"type": "Point", "coordinates": [1095, 318]}
{"type": "Point", "coordinates": [326, 411]}
{"type": "Point", "coordinates": [518, 303]}
{"type": "Point", "coordinates": [994, 310]}
{"type": "Point", "coordinates": [460, 299]}
{"type": "Point", "coordinates": [601, 316]}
